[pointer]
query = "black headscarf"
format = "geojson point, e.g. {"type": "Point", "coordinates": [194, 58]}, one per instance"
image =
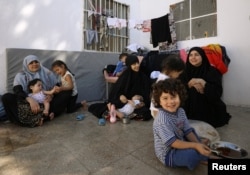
{"type": "Point", "coordinates": [200, 71]}
{"type": "Point", "coordinates": [131, 83]}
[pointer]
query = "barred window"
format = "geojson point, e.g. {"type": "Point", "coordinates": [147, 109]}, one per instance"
{"type": "Point", "coordinates": [195, 19]}
{"type": "Point", "coordinates": [97, 36]}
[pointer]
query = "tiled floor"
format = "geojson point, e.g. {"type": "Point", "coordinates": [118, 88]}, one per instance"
{"type": "Point", "coordinates": [65, 146]}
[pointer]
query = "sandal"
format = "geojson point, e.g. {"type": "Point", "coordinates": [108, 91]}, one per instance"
{"type": "Point", "coordinates": [40, 122]}
{"type": "Point", "coordinates": [101, 122]}
{"type": "Point", "coordinates": [80, 117]}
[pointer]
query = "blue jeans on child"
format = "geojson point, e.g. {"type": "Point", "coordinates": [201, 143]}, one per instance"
{"type": "Point", "coordinates": [189, 158]}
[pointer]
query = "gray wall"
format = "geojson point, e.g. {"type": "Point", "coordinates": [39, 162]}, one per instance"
{"type": "Point", "coordinates": [87, 67]}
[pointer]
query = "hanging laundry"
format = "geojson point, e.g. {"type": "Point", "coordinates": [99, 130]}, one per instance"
{"type": "Point", "coordinates": [103, 33]}
{"type": "Point", "coordinates": [135, 24]}
{"type": "Point", "coordinates": [160, 31]}
{"type": "Point", "coordinates": [90, 13]}
{"type": "Point", "coordinates": [146, 26]}
{"type": "Point", "coordinates": [91, 35]}
{"type": "Point", "coordinates": [122, 23]}
{"type": "Point", "coordinates": [112, 22]}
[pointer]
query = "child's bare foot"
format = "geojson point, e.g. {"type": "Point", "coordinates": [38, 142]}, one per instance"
{"type": "Point", "coordinates": [84, 105]}
{"type": "Point", "coordinates": [51, 116]}
{"type": "Point", "coordinates": [112, 114]}
{"type": "Point", "coordinates": [45, 113]}
{"type": "Point", "coordinates": [40, 122]}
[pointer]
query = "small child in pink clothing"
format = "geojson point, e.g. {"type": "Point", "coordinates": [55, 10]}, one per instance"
{"type": "Point", "coordinates": [37, 93]}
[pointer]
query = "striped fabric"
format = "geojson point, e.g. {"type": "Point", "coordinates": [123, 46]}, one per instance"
{"type": "Point", "coordinates": [168, 127]}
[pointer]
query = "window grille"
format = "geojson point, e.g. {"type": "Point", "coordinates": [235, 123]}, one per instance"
{"type": "Point", "coordinates": [96, 13]}
{"type": "Point", "coordinates": [195, 19]}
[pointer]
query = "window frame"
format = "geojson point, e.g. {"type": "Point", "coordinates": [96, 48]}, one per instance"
{"type": "Point", "coordinates": [190, 26]}
{"type": "Point", "coordinates": [116, 39]}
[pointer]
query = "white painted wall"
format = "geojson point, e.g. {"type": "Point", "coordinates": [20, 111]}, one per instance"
{"type": "Point", "coordinates": [57, 25]}
{"type": "Point", "coordinates": [39, 24]}
{"type": "Point", "coordinates": [233, 32]}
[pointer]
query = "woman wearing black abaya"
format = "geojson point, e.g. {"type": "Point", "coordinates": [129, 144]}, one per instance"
{"type": "Point", "coordinates": [204, 90]}
{"type": "Point", "coordinates": [132, 82]}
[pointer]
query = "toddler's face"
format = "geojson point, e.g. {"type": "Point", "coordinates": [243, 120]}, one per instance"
{"type": "Point", "coordinates": [123, 59]}
{"type": "Point", "coordinates": [169, 102]}
{"type": "Point", "coordinates": [174, 74]}
{"type": "Point", "coordinates": [37, 87]}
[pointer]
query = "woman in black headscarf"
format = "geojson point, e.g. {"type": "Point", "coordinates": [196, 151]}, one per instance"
{"type": "Point", "coordinates": [132, 82]}
{"type": "Point", "coordinates": [204, 90]}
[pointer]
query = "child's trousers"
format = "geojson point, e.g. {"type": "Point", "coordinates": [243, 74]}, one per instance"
{"type": "Point", "coordinates": [189, 158]}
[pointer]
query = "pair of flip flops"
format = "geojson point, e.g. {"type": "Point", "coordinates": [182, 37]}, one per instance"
{"type": "Point", "coordinates": [102, 121]}
{"type": "Point", "coordinates": [80, 117]}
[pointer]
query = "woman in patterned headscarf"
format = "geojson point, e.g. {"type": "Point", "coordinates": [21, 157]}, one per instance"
{"type": "Point", "coordinates": [204, 90]}
{"type": "Point", "coordinates": [22, 109]}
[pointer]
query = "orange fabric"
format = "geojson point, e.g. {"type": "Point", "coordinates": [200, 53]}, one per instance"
{"type": "Point", "coordinates": [214, 54]}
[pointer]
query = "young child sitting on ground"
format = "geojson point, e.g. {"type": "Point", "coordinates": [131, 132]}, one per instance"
{"type": "Point", "coordinates": [68, 83]}
{"type": "Point", "coordinates": [129, 107]}
{"type": "Point", "coordinates": [176, 143]}
{"type": "Point", "coordinates": [37, 93]}
{"type": "Point", "coordinates": [171, 67]}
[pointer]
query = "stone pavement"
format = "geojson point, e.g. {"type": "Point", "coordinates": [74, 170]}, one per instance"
{"type": "Point", "coordinates": [65, 146]}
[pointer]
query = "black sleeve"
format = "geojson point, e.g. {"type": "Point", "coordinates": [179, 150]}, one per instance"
{"type": "Point", "coordinates": [18, 90]}
{"type": "Point", "coordinates": [213, 87]}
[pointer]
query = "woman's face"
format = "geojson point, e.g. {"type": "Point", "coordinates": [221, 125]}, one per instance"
{"type": "Point", "coordinates": [135, 67]}
{"type": "Point", "coordinates": [34, 66]}
{"type": "Point", "coordinates": [195, 58]}
{"type": "Point", "coordinates": [169, 102]}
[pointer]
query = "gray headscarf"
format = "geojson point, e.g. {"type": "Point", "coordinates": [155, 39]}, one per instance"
{"type": "Point", "coordinates": [23, 78]}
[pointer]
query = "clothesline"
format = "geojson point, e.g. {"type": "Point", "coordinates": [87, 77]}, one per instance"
{"type": "Point", "coordinates": [114, 22]}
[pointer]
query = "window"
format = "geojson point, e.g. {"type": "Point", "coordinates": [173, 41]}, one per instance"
{"type": "Point", "coordinates": [195, 19]}
{"type": "Point", "coordinates": [97, 36]}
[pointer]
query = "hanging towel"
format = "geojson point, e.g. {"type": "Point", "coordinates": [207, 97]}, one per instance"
{"type": "Point", "coordinates": [160, 31]}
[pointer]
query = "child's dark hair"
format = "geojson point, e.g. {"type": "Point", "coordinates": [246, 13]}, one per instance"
{"type": "Point", "coordinates": [32, 83]}
{"type": "Point", "coordinates": [171, 86]}
{"type": "Point", "coordinates": [60, 63]}
{"type": "Point", "coordinates": [172, 63]}
{"type": "Point", "coordinates": [122, 55]}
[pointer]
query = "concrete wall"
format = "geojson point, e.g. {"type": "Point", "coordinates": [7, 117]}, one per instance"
{"type": "Point", "coordinates": [233, 32]}
{"type": "Point", "coordinates": [39, 24]}
{"type": "Point", "coordinates": [57, 25]}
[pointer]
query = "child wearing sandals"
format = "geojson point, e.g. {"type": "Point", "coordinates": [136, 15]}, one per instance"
{"type": "Point", "coordinates": [68, 83]}
{"type": "Point", "coordinates": [37, 93]}
{"type": "Point", "coordinates": [129, 107]}
{"type": "Point", "coordinates": [176, 143]}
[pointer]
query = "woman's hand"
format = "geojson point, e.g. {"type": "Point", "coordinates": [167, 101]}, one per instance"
{"type": "Point", "coordinates": [199, 88]}
{"type": "Point", "coordinates": [198, 84]}
{"type": "Point", "coordinates": [35, 107]}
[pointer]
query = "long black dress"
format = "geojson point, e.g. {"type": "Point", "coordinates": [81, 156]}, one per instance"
{"type": "Point", "coordinates": [206, 107]}
{"type": "Point", "coordinates": [130, 83]}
